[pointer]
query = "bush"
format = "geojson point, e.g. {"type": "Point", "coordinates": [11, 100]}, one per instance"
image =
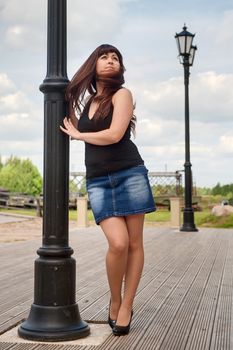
{"type": "Point", "coordinates": [20, 176]}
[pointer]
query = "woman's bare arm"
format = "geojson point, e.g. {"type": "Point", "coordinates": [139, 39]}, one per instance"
{"type": "Point", "coordinates": [122, 114]}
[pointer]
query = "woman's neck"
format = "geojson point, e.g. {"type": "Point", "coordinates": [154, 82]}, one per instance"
{"type": "Point", "coordinates": [99, 88]}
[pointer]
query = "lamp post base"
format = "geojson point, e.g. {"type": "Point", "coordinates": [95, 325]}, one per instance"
{"type": "Point", "coordinates": [54, 323]}
{"type": "Point", "coordinates": [188, 224]}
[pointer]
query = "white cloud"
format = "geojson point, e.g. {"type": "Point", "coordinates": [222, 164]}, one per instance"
{"type": "Point", "coordinates": [14, 35]}
{"type": "Point", "coordinates": [19, 127]}
{"type": "Point", "coordinates": [147, 42]}
{"type": "Point", "coordinates": [147, 131]}
{"type": "Point", "coordinates": [24, 12]}
{"type": "Point", "coordinates": [32, 149]}
{"type": "Point", "coordinates": [211, 97]}
{"type": "Point", "coordinates": [89, 23]}
{"type": "Point", "coordinates": [226, 144]}
{"type": "Point", "coordinates": [19, 36]}
{"type": "Point", "coordinates": [224, 33]}
{"type": "Point", "coordinates": [24, 25]}
{"type": "Point", "coordinates": [24, 148]}
{"type": "Point", "coordinates": [6, 85]}
{"type": "Point", "coordinates": [20, 118]}
{"type": "Point", "coordinates": [17, 101]}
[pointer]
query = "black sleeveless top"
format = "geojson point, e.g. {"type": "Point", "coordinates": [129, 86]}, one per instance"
{"type": "Point", "coordinates": [101, 160]}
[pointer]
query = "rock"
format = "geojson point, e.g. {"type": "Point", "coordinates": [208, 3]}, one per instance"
{"type": "Point", "coordinates": [222, 210]}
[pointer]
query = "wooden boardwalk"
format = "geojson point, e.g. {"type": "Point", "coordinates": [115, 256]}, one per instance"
{"type": "Point", "coordinates": [184, 301]}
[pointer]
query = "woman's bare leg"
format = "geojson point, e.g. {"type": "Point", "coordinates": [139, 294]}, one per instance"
{"type": "Point", "coordinates": [116, 232]}
{"type": "Point", "coordinates": [134, 266]}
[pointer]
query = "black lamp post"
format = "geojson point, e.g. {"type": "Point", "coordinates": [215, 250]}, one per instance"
{"type": "Point", "coordinates": [187, 54]}
{"type": "Point", "coordinates": [54, 315]}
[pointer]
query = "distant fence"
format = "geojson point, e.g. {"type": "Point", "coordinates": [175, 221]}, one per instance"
{"type": "Point", "coordinates": [163, 184]}
{"type": "Point", "coordinates": [11, 199]}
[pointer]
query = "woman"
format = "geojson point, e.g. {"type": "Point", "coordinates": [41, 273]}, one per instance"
{"type": "Point", "coordinates": [117, 181]}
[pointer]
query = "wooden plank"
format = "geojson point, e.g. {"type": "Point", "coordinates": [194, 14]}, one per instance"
{"type": "Point", "coordinates": [158, 310]}
{"type": "Point", "coordinates": [190, 317]}
{"type": "Point", "coordinates": [158, 267]}
{"type": "Point", "coordinates": [201, 332]}
{"type": "Point", "coordinates": [184, 300]}
{"type": "Point", "coordinates": [222, 331]}
{"type": "Point", "coordinates": [101, 309]}
{"type": "Point", "coordinates": [12, 346]}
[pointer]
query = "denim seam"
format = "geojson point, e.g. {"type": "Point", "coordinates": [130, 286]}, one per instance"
{"type": "Point", "coordinates": [111, 180]}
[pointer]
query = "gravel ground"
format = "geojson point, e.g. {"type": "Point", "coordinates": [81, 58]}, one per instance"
{"type": "Point", "coordinates": [18, 228]}
{"type": "Point", "coordinates": [21, 229]}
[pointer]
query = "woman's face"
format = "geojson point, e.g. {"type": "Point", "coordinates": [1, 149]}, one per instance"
{"type": "Point", "coordinates": [107, 64]}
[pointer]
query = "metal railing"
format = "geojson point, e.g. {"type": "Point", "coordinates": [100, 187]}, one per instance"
{"type": "Point", "coordinates": [162, 183]}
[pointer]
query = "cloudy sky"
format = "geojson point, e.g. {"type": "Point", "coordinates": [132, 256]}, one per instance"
{"type": "Point", "coordinates": [144, 32]}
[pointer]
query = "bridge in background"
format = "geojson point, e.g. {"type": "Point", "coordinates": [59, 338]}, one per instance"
{"type": "Point", "coordinates": [164, 186]}
{"type": "Point", "coordinates": [162, 183]}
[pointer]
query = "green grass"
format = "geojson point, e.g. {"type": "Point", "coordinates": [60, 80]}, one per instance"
{"type": "Point", "coordinates": [158, 216]}
{"type": "Point", "coordinates": [29, 212]}
{"type": "Point", "coordinates": [202, 219]}
{"type": "Point", "coordinates": [73, 215]}
{"type": "Point", "coordinates": [161, 216]}
{"type": "Point", "coordinates": [209, 220]}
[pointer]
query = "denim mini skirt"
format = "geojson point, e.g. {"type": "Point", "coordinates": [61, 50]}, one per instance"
{"type": "Point", "coordinates": [120, 193]}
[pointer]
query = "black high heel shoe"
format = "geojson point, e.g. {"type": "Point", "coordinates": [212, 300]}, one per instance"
{"type": "Point", "coordinates": [111, 322]}
{"type": "Point", "coordinates": [122, 330]}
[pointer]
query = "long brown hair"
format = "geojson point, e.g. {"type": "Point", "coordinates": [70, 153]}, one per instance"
{"type": "Point", "coordinates": [85, 79]}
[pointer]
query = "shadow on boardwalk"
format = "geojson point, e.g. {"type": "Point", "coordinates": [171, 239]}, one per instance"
{"type": "Point", "coordinates": [184, 301]}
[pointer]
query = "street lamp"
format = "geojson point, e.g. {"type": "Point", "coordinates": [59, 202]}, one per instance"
{"type": "Point", "coordinates": [186, 54]}
{"type": "Point", "coordinates": [54, 314]}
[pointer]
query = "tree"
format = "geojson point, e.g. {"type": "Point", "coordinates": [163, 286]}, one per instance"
{"type": "Point", "coordinates": [216, 190]}
{"type": "Point", "coordinates": [1, 164]}
{"type": "Point", "coordinates": [22, 176]}
{"type": "Point", "coordinates": [224, 190]}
